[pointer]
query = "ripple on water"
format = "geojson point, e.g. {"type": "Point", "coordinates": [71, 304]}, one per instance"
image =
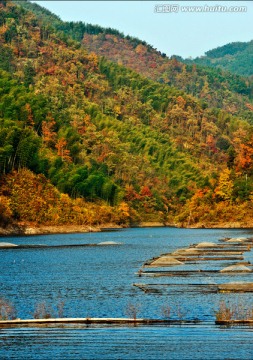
{"type": "Point", "coordinates": [97, 282]}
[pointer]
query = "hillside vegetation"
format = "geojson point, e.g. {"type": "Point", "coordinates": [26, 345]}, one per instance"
{"type": "Point", "coordinates": [84, 140]}
{"type": "Point", "coordinates": [214, 87]}
{"type": "Point", "coordinates": [236, 57]}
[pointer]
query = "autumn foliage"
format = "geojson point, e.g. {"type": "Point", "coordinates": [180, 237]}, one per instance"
{"type": "Point", "coordinates": [31, 199]}
{"type": "Point", "coordinates": [84, 140]}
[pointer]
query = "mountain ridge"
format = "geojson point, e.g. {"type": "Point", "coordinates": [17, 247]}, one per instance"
{"type": "Point", "coordinates": [86, 141]}
{"type": "Point", "coordinates": [235, 57]}
{"type": "Point", "coordinates": [212, 85]}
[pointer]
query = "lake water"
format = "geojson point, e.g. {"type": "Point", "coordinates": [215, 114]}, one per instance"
{"type": "Point", "coordinates": [98, 282]}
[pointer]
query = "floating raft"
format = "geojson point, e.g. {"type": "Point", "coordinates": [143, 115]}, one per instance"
{"type": "Point", "coordinates": [236, 268]}
{"type": "Point", "coordinates": [167, 260]}
{"type": "Point", "coordinates": [177, 273]}
{"type": "Point", "coordinates": [196, 254]}
{"type": "Point", "coordinates": [226, 245]}
{"type": "Point", "coordinates": [234, 322]}
{"type": "Point", "coordinates": [205, 244]}
{"type": "Point", "coordinates": [89, 321]}
{"type": "Point", "coordinates": [237, 240]}
{"type": "Point", "coordinates": [236, 287]}
{"type": "Point", "coordinates": [157, 288]}
{"type": "Point", "coordinates": [42, 246]}
{"type": "Point", "coordinates": [196, 259]}
{"type": "Point", "coordinates": [243, 287]}
{"type": "Point", "coordinates": [9, 246]}
{"type": "Point", "coordinates": [157, 273]}
{"type": "Point", "coordinates": [6, 245]}
{"type": "Point", "coordinates": [201, 252]}
{"type": "Point", "coordinates": [212, 258]}
{"type": "Point", "coordinates": [162, 261]}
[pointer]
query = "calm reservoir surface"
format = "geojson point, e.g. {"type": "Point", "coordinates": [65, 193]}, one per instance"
{"type": "Point", "coordinates": [98, 282]}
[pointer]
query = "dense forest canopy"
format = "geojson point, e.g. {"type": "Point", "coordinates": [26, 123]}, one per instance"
{"type": "Point", "coordinates": [89, 136]}
{"type": "Point", "coordinates": [236, 57]}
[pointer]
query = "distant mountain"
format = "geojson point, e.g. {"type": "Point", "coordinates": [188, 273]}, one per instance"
{"type": "Point", "coordinates": [236, 57]}
{"type": "Point", "coordinates": [217, 88]}
{"type": "Point", "coordinates": [214, 87]}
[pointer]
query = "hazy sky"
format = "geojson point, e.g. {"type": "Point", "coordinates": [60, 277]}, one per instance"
{"type": "Point", "coordinates": [176, 31]}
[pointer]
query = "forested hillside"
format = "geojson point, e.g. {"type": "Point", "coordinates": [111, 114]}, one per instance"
{"type": "Point", "coordinates": [87, 141]}
{"type": "Point", "coordinates": [236, 57]}
{"type": "Point", "coordinates": [214, 87]}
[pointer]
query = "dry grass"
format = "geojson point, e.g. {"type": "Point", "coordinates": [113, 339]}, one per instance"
{"type": "Point", "coordinates": [238, 311]}
{"type": "Point", "coordinates": [166, 311]}
{"type": "Point", "coordinates": [132, 310]}
{"type": "Point", "coordinates": [7, 310]}
{"type": "Point", "coordinates": [46, 311]}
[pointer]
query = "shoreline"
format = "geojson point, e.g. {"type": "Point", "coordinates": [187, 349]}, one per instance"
{"type": "Point", "coordinates": [16, 230]}
{"type": "Point", "coordinates": [26, 230]}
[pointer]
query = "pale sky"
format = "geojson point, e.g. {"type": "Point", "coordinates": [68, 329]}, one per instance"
{"type": "Point", "coordinates": [175, 32]}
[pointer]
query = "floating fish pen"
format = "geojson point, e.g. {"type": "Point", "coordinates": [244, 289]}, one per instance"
{"type": "Point", "coordinates": [240, 287]}
{"type": "Point", "coordinates": [9, 246]}
{"type": "Point", "coordinates": [186, 273]}
{"type": "Point", "coordinates": [233, 287]}
{"type": "Point", "coordinates": [229, 323]}
{"type": "Point", "coordinates": [175, 287]}
{"type": "Point", "coordinates": [233, 245]}
{"type": "Point", "coordinates": [237, 240]}
{"type": "Point", "coordinates": [59, 322]}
